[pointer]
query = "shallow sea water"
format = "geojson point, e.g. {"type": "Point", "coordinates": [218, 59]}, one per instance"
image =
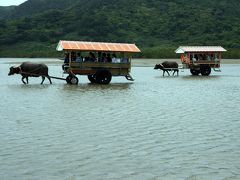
{"type": "Point", "coordinates": [154, 128]}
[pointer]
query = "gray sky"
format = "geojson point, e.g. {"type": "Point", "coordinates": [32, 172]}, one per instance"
{"type": "Point", "coordinates": [11, 2]}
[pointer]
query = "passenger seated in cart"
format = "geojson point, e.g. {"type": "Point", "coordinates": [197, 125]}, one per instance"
{"type": "Point", "coordinates": [212, 57]}
{"type": "Point", "coordinates": [114, 58]}
{"type": "Point", "coordinates": [216, 58]}
{"type": "Point", "coordinates": [124, 60]}
{"type": "Point", "coordinates": [191, 57]}
{"type": "Point", "coordinates": [204, 56]}
{"type": "Point", "coordinates": [79, 58]}
{"type": "Point", "coordinates": [87, 59]}
{"type": "Point", "coordinates": [92, 57]}
{"type": "Point", "coordinates": [66, 61]}
{"type": "Point", "coordinates": [73, 56]}
{"type": "Point", "coordinates": [104, 57]}
{"type": "Point", "coordinates": [99, 58]}
{"type": "Point", "coordinates": [196, 57]}
{"type": "Point", "coordinates": [208, 58]}
{"type": "Point", "coordinates": [109, 59]}
{"type": "Point", "coordinates": [200, 57]}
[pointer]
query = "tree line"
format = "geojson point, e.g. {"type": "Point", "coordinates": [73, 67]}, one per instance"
{"type": "Point", "coordinates": [158, 27]}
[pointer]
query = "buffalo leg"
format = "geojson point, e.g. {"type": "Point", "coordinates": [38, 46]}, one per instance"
{"type": "Point", "coordinates": [168, 73]}
{"type": "Point", "coordinates": [43, 78]}
{"type": "Point", "coordinates": [23, 80]}
{"type": "Point", "coordinates": [25, 77]}
{"type": "Point", "coordinates": [173, 72]}
{"type": "Point", "coordinates": [49, 79]}
{"type": "Point", "coordinates": [176, 71]}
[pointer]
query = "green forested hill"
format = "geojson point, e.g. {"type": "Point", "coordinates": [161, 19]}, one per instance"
{"type": "Point", "coordinates": [6, 11]}
{"type": "Point", "coordinates": [33, 7]}
{"type": "Point", "coordinates": [156, 26]}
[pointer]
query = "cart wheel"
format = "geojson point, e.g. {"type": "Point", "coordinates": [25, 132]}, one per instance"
{"type": "Point", "coordinates": [72, 79]}
{"type": "Point", "coordinates": [92, 78]}
{"type": "Point", "coordinates": [205, 70]}
{"type": "Point", "coordinates": [68, 79]}
{"type": "Point", "coordinates": [195, 72]}
{"type": "Point", "coordinates": [103, 77]}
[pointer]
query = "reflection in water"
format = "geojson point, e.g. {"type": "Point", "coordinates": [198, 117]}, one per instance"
{"type": "Point", "coordinates": [96, 87]}
{"type": "Point", "coordinates": [29, 87]}
{"type": "Point", "coordinates": [200, 78]}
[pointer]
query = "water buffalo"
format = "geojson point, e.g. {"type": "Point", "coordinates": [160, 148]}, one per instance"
{"type": "Point", "coordinates": [29, 69]}
{"type": "Point", "coordinates": [168, 66]}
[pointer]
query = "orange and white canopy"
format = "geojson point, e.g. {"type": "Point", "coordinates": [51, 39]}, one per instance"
{"type": "Point", "coordinates": [96, 46]}
{"type": "Point", "coordinates": [186, 49]}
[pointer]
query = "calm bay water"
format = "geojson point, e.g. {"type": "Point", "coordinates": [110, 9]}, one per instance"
{"type": "Point", "coordinates": [153, 128]}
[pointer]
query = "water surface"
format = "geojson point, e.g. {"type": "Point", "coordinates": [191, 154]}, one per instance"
{"type": "Point", "coordinates": [156, 127]}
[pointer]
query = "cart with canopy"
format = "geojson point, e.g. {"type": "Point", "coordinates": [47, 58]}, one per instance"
{"type": "Point", "coordinates": [201, 59]}
{"type": "Point", "coordinates": [99, 61]}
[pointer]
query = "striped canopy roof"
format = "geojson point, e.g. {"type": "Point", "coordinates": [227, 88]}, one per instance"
{"type": "Point", "coordinates": [96, 46]}
{"type": "Point", "coordinates": [184, 49]}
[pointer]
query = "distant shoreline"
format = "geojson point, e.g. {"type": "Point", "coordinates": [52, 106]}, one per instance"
{"type": "Point", "coordinates": [152, 62]}
{"type": "Point", "coordinates": [136, 62]}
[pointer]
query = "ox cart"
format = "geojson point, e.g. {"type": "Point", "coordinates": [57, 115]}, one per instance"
{"type": "Point", "coordinates": [201, 59]}
{"type": "Point", "coordinates": [99, 61]}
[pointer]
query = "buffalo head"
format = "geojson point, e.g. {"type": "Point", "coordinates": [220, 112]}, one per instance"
{"type": "Point", "coordinates": [13, 70]}
{"type": "Point", "coordinates": [158, 66]}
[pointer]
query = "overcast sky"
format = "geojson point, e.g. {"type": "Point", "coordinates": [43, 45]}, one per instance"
{"type": "Point", "coordinates": [11, 2]}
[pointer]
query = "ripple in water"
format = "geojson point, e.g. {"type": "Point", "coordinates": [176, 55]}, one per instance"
{"type": "Point", "coordinates": [154, 128]}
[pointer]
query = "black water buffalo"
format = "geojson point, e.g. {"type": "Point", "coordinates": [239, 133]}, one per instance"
{"type": "Point", "coordinates": [29, 69]}
{"type": "Point", "coordinates": [168, 66]}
